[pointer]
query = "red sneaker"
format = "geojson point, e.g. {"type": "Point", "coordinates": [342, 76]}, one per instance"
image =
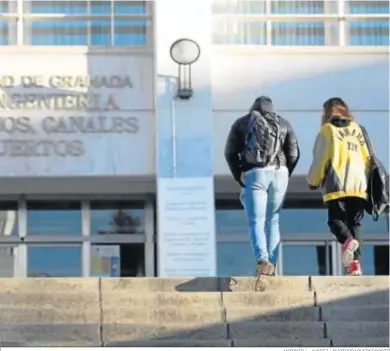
{"type": "Point", "coordinates": [354, 268]}
{"type": "Point", "coordinates": [349, 247]}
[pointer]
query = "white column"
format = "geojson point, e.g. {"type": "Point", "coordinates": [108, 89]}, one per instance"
{"type": "Point", "coordinates": [86, 245]}
{"type": "Point", "coordinates": [184, 151]}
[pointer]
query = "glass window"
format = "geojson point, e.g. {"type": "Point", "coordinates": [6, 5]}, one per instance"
{"type": "Point", "coordinates": [58, 32]}
{"type": "Point", "coordinates": [86, 31]}
{"type": "Point", "coordinates": [54, 261]}
{"type": "Point", "coordinates": [231, 222]}
{"type": "Point", "coordinates": [235, 259]}
{"type": "Point", "coordinates": [4, 33]}
{"type": "Point", "coordinates": [124, 260]}
{"type": "Point", "coordinates": [369, 226]}
{"type": "Point", "coordinates": [305, 260]}
{"type": "Point", "coordinates": [368, 6]}
{"type": "Point", "coordinates": [370, 32]}
{"type": "Point", "coordinates": [7, 257]}
{"type": "Point", "coordinates": [129, 7]}
{"type": "Point", "coordinates": [304, 221]}
{"type": "Point", "coordinates": [253, 32]}
{"type": "Point", "coordinates": [129, 32]}
{"type": "Point", "coordinates": [117, 217]}
{"type": "Point", "coordinates": [4, 6]}
{"type": "Point", "coordinates": [375, 259]}
{"type": "Point", "coordinates": [54, 217]}
{"type": "Point", "coordinates": [8, 218]}
{"type": "Point", "coordinates": [61, 7]}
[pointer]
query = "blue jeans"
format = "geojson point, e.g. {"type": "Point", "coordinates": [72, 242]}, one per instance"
{"type": "Point", "coordinates": [263, 199]}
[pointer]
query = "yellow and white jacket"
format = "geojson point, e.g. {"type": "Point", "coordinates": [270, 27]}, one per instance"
{"type": "Point", "coordinates": [341, 161]}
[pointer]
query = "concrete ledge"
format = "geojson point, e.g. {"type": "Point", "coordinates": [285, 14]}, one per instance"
{"type": "Point", "coordinates": [275, 330]}
{"type": "Point", "coordinates": [160, 284]}
{"type": "Point", "coordinates": [350, 284]}
{"type": "Point", "coordinates": [48, 333]}
{"type": "Point", "coordinates": [132, 332]}
{"type": "Point", "coordinates": [282, 342]}
{"type": "Point", "coordinates": [280, 284]}
{"type": "Point", "coordinates": [33, 285]}
{"type": "Point", "coordinates": [352, 330]}
{"type": "Point", "coordinates": [360, 342]}
{"type": "Point", "coordinates": [352, 314]}
{"type": "Point", "coordinates": [282, 300]}
{"type": "Point", "coordinates": [164, 315]}
{"type": "Point", "coordinates": [356, 298]}
{"type": "Point", "coordinates": [170, 343]}
{"type": "Point", "coordinates": [255, 314]}
{"type": "Point", "coordinates": [114, 299]}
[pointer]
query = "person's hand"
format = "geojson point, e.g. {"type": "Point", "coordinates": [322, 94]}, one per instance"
{"type": "Point", "coordinates": [313, 187]}
{"type": "Point", "coordinates": [240, 180]}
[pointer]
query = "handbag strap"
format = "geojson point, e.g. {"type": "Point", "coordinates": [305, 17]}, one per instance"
{"type": "Point", "coordinates": [368, 141]}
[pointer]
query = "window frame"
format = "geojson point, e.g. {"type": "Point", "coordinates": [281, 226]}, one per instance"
{"type": "Point", "coordinates": [331, 15]}
{"type": "Point", "coordinates": [21, 36]}
{"type": "Point", "coordinates": [21, 241]}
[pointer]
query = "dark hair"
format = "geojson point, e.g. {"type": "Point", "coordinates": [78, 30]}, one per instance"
{"type": "Point", "coordinates": [335, 107]}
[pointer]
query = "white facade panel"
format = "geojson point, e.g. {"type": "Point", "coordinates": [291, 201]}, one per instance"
{"type": "Point", "coordinates": [298, 85]}
{"type": "Point", "coordinates": [85, 114]}
{"type": "Point", "coordinates": [300, 81]}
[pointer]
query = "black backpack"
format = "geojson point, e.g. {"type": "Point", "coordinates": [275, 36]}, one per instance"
{"type": "Point", "coordinates": [262, 139]}
{"type": "Point", "coordinates": [378, 197]}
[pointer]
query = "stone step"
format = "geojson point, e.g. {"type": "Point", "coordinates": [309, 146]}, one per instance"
{"type": "Point", "coordinates": [165, 315]}
{"type": "Point", "coordinates": [130, 285]}
{"type": "Point", "coordinates": [327, 314]}
{"type": "Point", "coordinates": [358, 341]}
{"type": "Point", "coordinates": [138, 285]}
{"type": "Point", "coordinates": [363, 284]}
{"type": "Point", "coordinates": [37, 343]}
{"type": "Point", "coordinates": [354, 313]}
{"type": "Point", "coordinates": [32, 285]}
{"type": "Point", "coordinates": [111, 300]}
{"type": "Point", "coordinates": [50, 298]}
{"type": "Point", "coordinates": [282, 342]}
{"type": "Point", "coordinates": [74, 314]}
{"type": "Point", "coordinates": [170, 343]}
{"type": "Point", "coordinates": [356, 298]}
{"type": "Point", "coordinates": [281, 284]}
{"type": "Point", "coordinates": [275, 330]}
{"type": "Point", "coordinates": [282, 300]}
{"type": "Point", "coordinates": [287, 342]}
{"type": "Point", "coordinates": [173, 331]}
{"type": "Point", "coordinates": [351, 330]}
{"type": "Point", "coordinates": [272, 314]}
{"type": "Point", "coordinates": [47, 333]}
{"type": "Point", "coordinates": [211, 314]}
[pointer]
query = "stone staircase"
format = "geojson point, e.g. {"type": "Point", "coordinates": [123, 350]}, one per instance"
{"type": "Point", "coordinates": [291, 312]}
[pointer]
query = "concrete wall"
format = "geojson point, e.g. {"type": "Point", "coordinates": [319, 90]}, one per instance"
{"type": "Point", "coordinates": [116, 131]}
{"type": "Point", "coordinates": [299, 81]}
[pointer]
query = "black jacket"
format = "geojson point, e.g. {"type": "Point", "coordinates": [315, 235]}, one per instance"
{"type": "Point", "coordinates": [288, 155]}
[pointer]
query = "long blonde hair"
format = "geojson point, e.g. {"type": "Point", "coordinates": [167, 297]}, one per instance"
{"type": "Point", "coordinates": [335, 107]}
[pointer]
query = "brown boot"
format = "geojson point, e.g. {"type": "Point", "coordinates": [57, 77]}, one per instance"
{"type": "Point", "coordinates": [265, 268]}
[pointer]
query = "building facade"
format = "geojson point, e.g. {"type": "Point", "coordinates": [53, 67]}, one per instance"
{"type": "Point", "coordinates": [86, 110]}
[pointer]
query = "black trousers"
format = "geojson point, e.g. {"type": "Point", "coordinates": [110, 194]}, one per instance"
{"type": "Point", "coordinates": [344, 219]}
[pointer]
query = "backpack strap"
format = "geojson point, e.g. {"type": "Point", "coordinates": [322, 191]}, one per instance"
{"type": "Point", "coordinates": [251, 120]}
